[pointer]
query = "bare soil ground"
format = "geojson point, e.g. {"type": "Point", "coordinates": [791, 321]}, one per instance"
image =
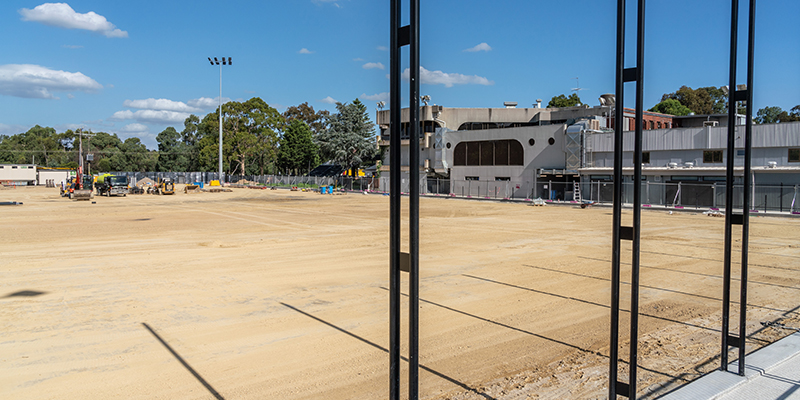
{"type": "Point", "coordinates": [260, 294]}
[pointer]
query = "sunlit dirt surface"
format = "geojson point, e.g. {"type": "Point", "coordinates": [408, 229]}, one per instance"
{"type": "Point", "coordinates": [274, 294]}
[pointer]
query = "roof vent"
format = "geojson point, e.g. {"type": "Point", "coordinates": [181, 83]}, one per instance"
{"type": "Point", "coordinates": [688, 164]}
{"type": "Point", "coordinates": [510, 104]}
{"type": "Point", "coordinates": [772, 164]}
{"type": "Point", "coordinates": [673, 165]}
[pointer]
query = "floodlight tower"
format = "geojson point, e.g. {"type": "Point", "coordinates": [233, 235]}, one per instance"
{"type": "Point", "coordinates": [217, 62]}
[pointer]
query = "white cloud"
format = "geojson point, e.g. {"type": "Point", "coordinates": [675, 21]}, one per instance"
{"type": "Point", "coordinates": [329, 100]}
{"type": "Point", "coordinates": [63, 16]}
{"type": "Point", "coordinates": [70, 96]}
{"type": "Point", "coordinates": [447, 79]}
{"type": "Point", "coordinates": [134, 128]}
{"type": "Point", "coordinates": [207, 103]}
{"type": "Point", "coordinates": [163, 117]}
{"type": "Point", "coordinates": [161, 104]}
{"type": "Point", "coordinates": [480, 47]}
{"type": "Point", "coordinates": [6, 129]}
{"type": "Point", "coordinates": [371, 65]}
{"type": "Point", "coordinates": [334, 2]}
{"type": "Point", "coordinates": [305, 51]}
{"type": "Point", "coordinates": [37, 82]}
{"type": "Point", "coordinates": [383, 48]}
{"type": "Point", "coordinates": [376, 97]}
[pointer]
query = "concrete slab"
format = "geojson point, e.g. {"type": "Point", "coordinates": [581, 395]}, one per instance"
{"type": "Point", "coordinates": [770, 373]}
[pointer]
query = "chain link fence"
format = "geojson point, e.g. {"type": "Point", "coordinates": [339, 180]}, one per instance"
{"type": "Point", "coordinates": [697, 195]}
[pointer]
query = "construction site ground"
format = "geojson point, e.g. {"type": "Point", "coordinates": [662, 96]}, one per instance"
{"type": "Point", "coordinates": [278, 294]}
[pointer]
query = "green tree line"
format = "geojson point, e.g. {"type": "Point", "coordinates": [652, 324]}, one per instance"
{"type": "Point", "coordinates": [256, 140]}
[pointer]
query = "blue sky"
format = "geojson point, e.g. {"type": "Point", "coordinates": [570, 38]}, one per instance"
{"type": "Point", "coordinates": [135, 67]}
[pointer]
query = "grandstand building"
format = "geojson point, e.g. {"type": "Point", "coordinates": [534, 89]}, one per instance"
{"type": "Point", "coordinates": [543, 152]}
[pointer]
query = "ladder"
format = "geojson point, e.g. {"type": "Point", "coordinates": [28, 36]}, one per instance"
{"type": "Point", "coordinates": [576, 192]}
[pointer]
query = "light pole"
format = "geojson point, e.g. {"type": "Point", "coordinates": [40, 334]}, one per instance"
{"type": "Point", "coordinates": [217, 62]}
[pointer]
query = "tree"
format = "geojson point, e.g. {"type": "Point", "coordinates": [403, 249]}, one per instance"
{"type": "Point", "coordinates": [249, 137]}
{"type": "Point", "coordinates": [774, 115]}
{"type": "Point", "coordinates": [768, 115]}
{"type": "Point", "coordinates": [172, 153]}
{"type": "Point", "coordinates": [702, 101]}
{"type": "Point", "coordinates": [296, 149]}
{"type": "Point", "coordinates": [671, 107]}
{"type": "Point", "coordinates": [563, 101]}
{"type": "Point", "coordinates": [350, 139]}
{"type": "Point", "coordinates": [317, 121]}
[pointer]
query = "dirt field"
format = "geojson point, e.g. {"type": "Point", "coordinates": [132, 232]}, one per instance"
{"type": "Point", "coordinates": [259, 294]}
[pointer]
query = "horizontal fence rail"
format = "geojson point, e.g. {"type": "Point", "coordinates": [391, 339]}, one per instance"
{"type": "Point", "coordinates": [686, 195]}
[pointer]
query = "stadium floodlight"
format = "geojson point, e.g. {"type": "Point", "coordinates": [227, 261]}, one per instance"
{"type": "Point", "coordinates": [230, 62]}
{"type": "Point", "coordinates": [381, 104]}
{"type": "Point", "coordinates": [216, 61]}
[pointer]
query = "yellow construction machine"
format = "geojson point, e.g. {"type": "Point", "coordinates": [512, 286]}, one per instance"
{"type": "Point", "coordinates": [163, 186]}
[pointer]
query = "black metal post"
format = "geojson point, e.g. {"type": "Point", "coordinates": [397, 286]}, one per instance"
{"type": "Point", "coordinates": [734, 96]}
{"type": "Point", "coordinates": [617, 204]}
{"type": "Point", "coordinates": [399, 37]}
{"type": "Point", "coordinates": [619, 232]}
{"type": "Point", "coordinates": [413, 206]}
{"type": "Point", "coordinates": [637, 201]}
{"type": "Point", "coordinates": [731, 153]}
{"type": "Point", "coordinates": [394, 201]}
{"type": "Point", "coordinates": [748, 147]}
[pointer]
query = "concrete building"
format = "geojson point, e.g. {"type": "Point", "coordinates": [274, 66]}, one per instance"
{"type": "Point", "coordinates": [549, 153]}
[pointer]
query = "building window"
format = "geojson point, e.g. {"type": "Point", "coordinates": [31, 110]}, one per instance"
{"type": "Point", "coordinates": [645, 157]}
{"type": "Point", "coordinates": [531, 142]}
{"type": "Point", "coordinates": [489, 153]}
{"type": "Point", "coordinates": [471, 178]}
{"type": "Point", "coordinates": [502, 178]}
{"type": "Point", "coordinates": [551, 141]}
{"type": "Point", "coordinates": [712, 156]}
{"type": "Point", "coordinates": [794, 155]}
{"type": "Point", "coordinates": [658, 124]}
{"type": "Point", "coordinates": [13, 167]}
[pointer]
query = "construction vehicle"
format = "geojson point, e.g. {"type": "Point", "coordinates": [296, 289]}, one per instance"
{"type": "Point", "coordinates": [111, 185]}
{"type": "Point", "coordinates": [81, 187]}
{"type": "Point", "coordinates": [163, 186]}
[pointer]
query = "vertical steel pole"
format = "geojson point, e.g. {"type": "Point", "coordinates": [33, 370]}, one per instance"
{"type": "Point", "coordinates": [221, 179]}
{"type": "Point", "coordinates": [413, 205]}
{"type": "Point", "coordinates": [748, 147]}
{"type": "Point", "coordinates": [617, 203]}
{"type": "Point", "coordinates": [394, 201]}
{"type": "Point", "coordinates": [637, 201]}
{"type": "Point", "coordinates": [731, 153]}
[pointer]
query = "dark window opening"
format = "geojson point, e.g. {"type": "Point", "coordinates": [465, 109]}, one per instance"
{"type": "Point", "coordinates": [471, 178]}
{"type": "Point", "coordinates": [473, 153]}
{"type": "Point", "coordinates": [502, 178]}
{"type": "Point", "coordinates": [488, 153]}
{"type": "Point", "coordinates": [645, 157]}
{"type": "Point", "coordinates": [516, 155]}
{"type": "Point", "coordinates": [794, 155]}
{"type": "Point", "coordinates": [531, 142]}
{"type": "Point", "coordinates": [460, 154]}
{"type": "Point", "coordinates": [712, 156]}
{"type": "Point", "coordinates": [448, 145]}
{"type": "Point", "coordinates": [501, 152]}
{"type": "Point", "coordinates": [551, 141]}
